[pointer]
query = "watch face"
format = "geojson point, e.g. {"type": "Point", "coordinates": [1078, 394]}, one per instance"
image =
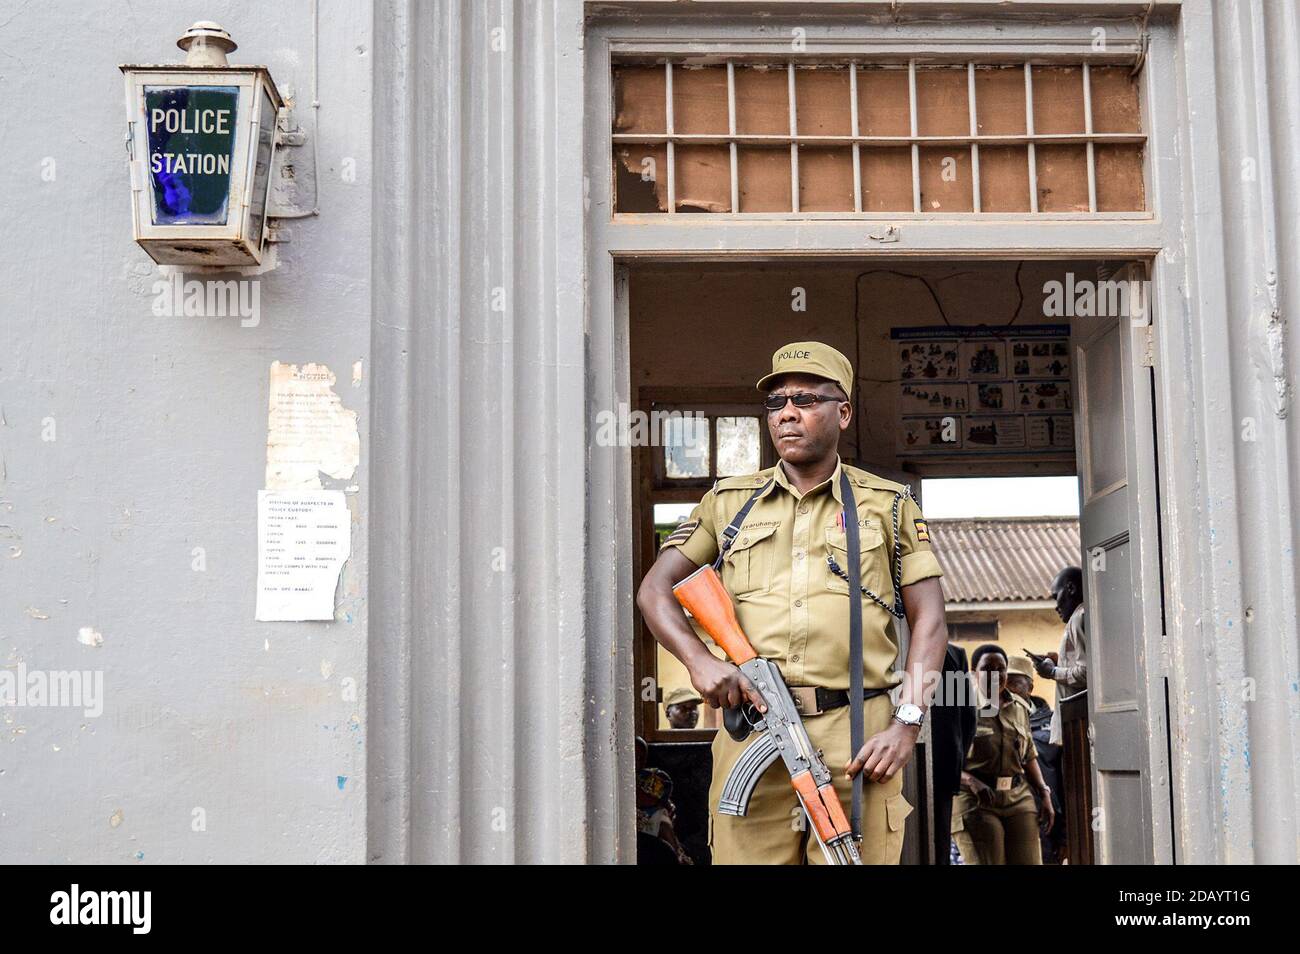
{"type": "Point", "coordinates": [909, 713]}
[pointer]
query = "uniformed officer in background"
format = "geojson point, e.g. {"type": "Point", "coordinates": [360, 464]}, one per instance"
{"type": "Point", "coordinates": [994, 816]}
{"type": "Point", "coordinates": [786, 575]}
{"type": "Point", "coordinates": [682, 707]}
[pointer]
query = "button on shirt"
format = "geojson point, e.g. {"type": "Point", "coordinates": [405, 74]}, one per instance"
{"type": "Point", "coordinates": [790, 604]}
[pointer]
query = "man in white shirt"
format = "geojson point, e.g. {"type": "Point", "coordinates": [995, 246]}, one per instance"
{"type": "Point", "coordinates": [1070, 670]}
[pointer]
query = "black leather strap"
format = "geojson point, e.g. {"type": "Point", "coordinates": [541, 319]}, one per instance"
{"type": "Point", "coordinates": [855, 644]}
{"type": "Point", "coordinates": [733, 528]}
{"type": "Point", "coordinates": [828, 699]}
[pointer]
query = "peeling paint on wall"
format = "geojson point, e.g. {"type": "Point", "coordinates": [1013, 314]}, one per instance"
{"type": "Point", "coordinates": [309, 431]}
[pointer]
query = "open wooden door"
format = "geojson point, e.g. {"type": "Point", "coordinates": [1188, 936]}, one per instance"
{"type": "Point", "coordinates": [1119, 510]}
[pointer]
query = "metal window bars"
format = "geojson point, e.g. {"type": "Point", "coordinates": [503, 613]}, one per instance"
{"type": "Point", "coordinates": [858, 141]}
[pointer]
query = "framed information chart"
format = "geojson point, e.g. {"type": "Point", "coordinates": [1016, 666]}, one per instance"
{"type": "Point", "coordinates": [973, 389]}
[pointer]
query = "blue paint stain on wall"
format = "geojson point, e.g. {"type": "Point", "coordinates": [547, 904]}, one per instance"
{"type": "Point", "coordinates": [139, 856]}
{"type": "Point", "coordinates": [343, 780]}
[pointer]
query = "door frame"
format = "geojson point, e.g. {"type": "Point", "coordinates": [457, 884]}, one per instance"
{"type": "Point", "coordinates": [614, 241]}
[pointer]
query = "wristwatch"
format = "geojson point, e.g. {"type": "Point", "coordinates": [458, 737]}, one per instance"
{"type": "Point", "coordinates": [908, 714]}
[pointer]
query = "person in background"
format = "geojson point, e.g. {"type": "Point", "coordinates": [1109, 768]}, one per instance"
{"type": "Point", "coordinates": [1020, 680]}
{"type": "Point", "coordinates": [682, 706]}
{"type": "Point", "coordinates": [1070, 669]}
{"type": "Point", "coordinates": [656, 836]}
{"type": "Point", "coordinates": [995, 818]}
{"type": "Point", "coordinates": [952, 730]}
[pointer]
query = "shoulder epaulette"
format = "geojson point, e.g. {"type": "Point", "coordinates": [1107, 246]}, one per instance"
{"type": "Point", "coordinates": [861, 478]}
{"type": "Point", "coordinates": [749, 482]}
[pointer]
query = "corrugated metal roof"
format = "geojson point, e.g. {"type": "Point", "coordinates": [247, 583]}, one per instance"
{"type": "Point", "coordinates": [1003, 558]}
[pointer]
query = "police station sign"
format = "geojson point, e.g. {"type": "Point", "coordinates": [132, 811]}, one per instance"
{"type": "Point", "coordinates": [201, 143]}
{"type": "Point", "coordinates": [191, 136]}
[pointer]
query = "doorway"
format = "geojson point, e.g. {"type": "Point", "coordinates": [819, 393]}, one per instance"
{"type": "Point", "coordinates": [971, 368]}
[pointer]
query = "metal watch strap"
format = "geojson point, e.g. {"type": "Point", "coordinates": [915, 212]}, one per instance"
{"type": "Point", "coordinates": [855, 645]}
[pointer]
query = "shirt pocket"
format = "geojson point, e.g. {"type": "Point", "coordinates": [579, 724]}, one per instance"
{"type": "Point", "coordinates": [984, 747]}
{"type": "Point", "coordinates": [747, 567]}
{"type": "Point", "coordinates": [874, 562]}
{"type": "Point", "coordinates": [1025, 745]}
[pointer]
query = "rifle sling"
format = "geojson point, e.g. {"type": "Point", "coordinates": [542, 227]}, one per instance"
{"type": "Point", "coordinates": [855, 645]}
{"type": "Point", "coordinates": [733, 528]}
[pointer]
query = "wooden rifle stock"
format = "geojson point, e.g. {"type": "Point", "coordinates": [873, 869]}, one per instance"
{"type": "Point", "coordinates": [703, 594]}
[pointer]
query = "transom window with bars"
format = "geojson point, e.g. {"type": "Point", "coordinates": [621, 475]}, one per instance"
{"type": "Point", "coordinates": [877, 137]}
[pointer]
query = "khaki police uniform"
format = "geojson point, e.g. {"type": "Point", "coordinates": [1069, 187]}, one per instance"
{"type": "Point", "coordinates": [1005, 831]}
{"type": "Point", "coordinates": [795, 611]}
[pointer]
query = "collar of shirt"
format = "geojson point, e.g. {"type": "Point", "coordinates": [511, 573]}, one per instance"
{"type": "Point", "coordinates": [780, 479]}
{"type": "Point", "coordinates": [1005, 697]}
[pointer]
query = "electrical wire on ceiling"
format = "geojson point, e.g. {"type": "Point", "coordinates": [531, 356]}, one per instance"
{"type": "Point", "coordinates": [938, 304]}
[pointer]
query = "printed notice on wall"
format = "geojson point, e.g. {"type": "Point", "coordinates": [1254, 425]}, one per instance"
{"type": "Point", "coordinates": [309, 431]}
{"type": "Point", "coordinates": [303, 539]}
{"type": "Point", "coordinates": [970, 390]}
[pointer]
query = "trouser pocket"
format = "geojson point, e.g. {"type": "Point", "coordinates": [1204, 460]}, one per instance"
{"type": "Point", "coordinates": [897, 808]}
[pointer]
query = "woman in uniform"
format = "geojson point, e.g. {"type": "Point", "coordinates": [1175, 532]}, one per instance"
{"type": "Point", "coordinates": [994, 818]}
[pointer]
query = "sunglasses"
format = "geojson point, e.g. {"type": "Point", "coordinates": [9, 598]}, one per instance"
{"type": "Point", "coordinates": [776, 402]}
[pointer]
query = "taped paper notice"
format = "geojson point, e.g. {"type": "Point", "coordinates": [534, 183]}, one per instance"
{"type": "Point", "coordinates": [309, 431]}
{"type": "Point", "coordinates": [303, 539]}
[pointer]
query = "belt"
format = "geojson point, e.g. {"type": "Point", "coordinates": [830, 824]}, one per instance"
{"type": "Point", "coordinates": [1000, 783]}
{"type": "Point", "coordinates": [814, 700]}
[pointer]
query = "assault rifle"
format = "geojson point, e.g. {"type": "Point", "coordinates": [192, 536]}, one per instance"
{"type": "Point", "coordinates": [781, 730]}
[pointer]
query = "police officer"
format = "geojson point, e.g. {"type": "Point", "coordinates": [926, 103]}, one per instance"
{"type": "Point", "coordinates": [682, 707]}
{"type": "Point", "coordinates": [786, 573]}
{"type": "Point", "coordinates": [994, 816]}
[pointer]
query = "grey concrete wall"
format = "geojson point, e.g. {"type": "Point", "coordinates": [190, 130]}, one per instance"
{"type": "Point", "coordinates": [160, 428]}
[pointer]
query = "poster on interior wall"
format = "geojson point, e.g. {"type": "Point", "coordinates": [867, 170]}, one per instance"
{"type": "Point", "coordinates": [970, 390]}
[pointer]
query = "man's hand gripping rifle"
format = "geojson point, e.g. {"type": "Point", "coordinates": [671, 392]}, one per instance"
{"type": "Point", "coordinates": [781, 730]}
